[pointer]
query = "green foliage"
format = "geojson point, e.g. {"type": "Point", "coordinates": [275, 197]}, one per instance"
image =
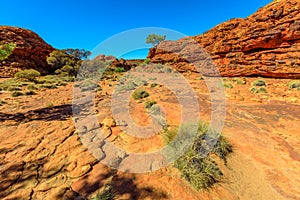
{"type": "Point", "coordinates": [155, 109]}
{"type": "Point", "coordinates": [147, 61]}
{"type": "Point", "coordinates": [256, 90]}
{"type": "Point", "coordinates": [140, 94]}
{"type": "Point", "coordinates": [77, 54]}
{"type": "Point", "coordinates": [27, 88]}
{"type": "Point", "coordinates": [88, 85]}
{"type": "Point", "coordinates": [239, 81]}
{"type": "Point", "coordinates": [200, 78]}
{"type": "Point", "coordinates": [259, 82]}
{"type": "Point", "coordinates": [150, 103]}
{"type": "Point", "coordinates": [2, 102]}
{"type": "Point", "coordinates": [17, 93]}
{"type": "Point", "coordinates": [202, 172]}
{"type": "Point", "coordinates": [27, 74]}
{"type": "Point", "coordinates": [67, 62]}
{"type": "Point", "coordinates": [169, 135]}
{"type": "Point", "coordinates": [11, 85]}
{"type": "Point", "coordinates": [30, 92]}
{"type": "Point", "coordinates": [106, 194]}
{"type": "Point", "coordinates": [6, 50]}
{"type": "Point", "coordinates": [48, 85]}
{"type": "Point", "coordinates": [222, 148]}
{"type": "Point", "coordinates": [155, 39]}
{"type": "Point", "coordinates": [227, 85]}
{"type": "Point", "coordinates": [14, 88]}
{"type": "Point", "coordinates": [50, 105]}
{"type": "Point", "coordinates": [55, 79]}
{"type": "Point", "coordinates": [120, 69]}
{"type": "Point", "coordinates": [153, 85]}
{"type": "Point", "coordinates": [294, 84]}
{"type": "Point", "coordinates": [31, 87]}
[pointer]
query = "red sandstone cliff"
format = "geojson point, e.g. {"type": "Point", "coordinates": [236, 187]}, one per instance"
{"type": "Point", "coordinates": [266, 43]}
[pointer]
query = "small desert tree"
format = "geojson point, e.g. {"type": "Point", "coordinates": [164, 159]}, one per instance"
{"type": "Point", "coordinates": [6, 50]}
{"type": "Point", "coordinates": [68, 61]}
{"type": "Point", "coordinates": [155, 39]}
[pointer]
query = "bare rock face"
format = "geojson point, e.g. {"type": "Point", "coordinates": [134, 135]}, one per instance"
{"type": "Point", "coordinates": [266, 43]}
{"type": "Point", "coordinates": [30, 53]}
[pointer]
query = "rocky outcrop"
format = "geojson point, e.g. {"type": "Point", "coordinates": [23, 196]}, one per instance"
{"type": "Point", "coordinates": [266, 43]}
{"type": "Point", "coordinates": [117, 63]}
{"type": "Point", "coordinates": [31, 51]}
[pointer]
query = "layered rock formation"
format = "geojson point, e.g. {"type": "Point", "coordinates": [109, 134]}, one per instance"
{"type": "Point", "coordinates": [266, 43]}
{"type": "Point", "coordinates": [116, 63]}
{"type": "Point", "coordinates": [31, 51]}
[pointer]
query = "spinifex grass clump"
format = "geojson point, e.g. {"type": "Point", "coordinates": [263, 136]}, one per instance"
{"type": "Point", "coordinates": [257, 90]}
{"type": "Point", "coordinates": [149, 104]}
{"type": "Point", "coordinates": [294, 84]}
{"type": "Point", "coordinates": [239, 81]}
{"type": "Point", "coordinates": [27, 75]}
{"type": "Point", "coordinates": [140, 94]}
{"type": "Point", "coordinates": [259, 82]}
{"type": "Point", "coordinates": [196, 164]}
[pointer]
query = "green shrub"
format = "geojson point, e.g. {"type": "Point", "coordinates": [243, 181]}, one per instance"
{"type": "Point", "coordinates": [48, 86]}
{"type": "Point", "coordinates": [259, 82]}
{"type": "Point", "coordinates": [167, 69]}
{"type": "Point", "coordinates": [140, 94]}
{"type": "Point", "coordinates": [11, 85]}
{"type": "Point", "coordinates": [155, 109]}
{"type": "Point", "coordinates": [239, 81]}
{"type": "Point", "coordinates": [147, 61]}
{"type": "Point", "coordinates": [119, 70]}
{"type": "Point", "coordinates": [169, 135]}
{"type": "Point", "coordinates": [200, 78]}
{"type": "Point", "coordinates": [27, 74]}
{"type": "Point", "coordinates": [17, 93]}
{"type": "Point", "coordinates": [50, 105]}
{"type": "Point", "coordinates": [294, 84]}
{"type": "Point", "coordinates": [14, 88]}
{"type": "Point", "coordinates": [227, 85]}
{"type": "Point", "coordinates": [149, 104]}
{"type": "Point", "coordinates": [61, 83]}
{"type": "Point", "coordinates": [6, 50]}
{"type": "Point", "coordinates": [128, 86]}
{"type": "Point", "coordinates": [49, 79]}
{"type": "Point", "coordinates": [31, 87]}
{"type": "Point", "coordinates": [30, 92]}
{"type": "Point", "coordinates": [2, 102]}
{"type": "Point", "coordinates": [106, 194]}
{"type": "Point", "coordinates": [222, 148]}
{"type": "Point", "coordinates": [153, 85]}
{"type": "Point", "coordinates": [256, 90]}
{"type": "Point", "coordinates": [88, 85]}
{"type": "Point", "coordinates": [201, 172]}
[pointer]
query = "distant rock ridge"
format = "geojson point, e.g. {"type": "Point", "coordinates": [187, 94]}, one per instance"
{"type": "Point", "coordinates": [31, 51]}
{"type": "Point", "coordinates": [266, 44]}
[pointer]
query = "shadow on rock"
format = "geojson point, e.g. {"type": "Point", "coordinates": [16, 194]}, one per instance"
{"type": "Point", "coordinates": [61, 112]}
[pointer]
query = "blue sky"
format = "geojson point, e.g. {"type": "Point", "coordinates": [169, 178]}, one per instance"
{"type": "Point", "coordinates": [85, 24]}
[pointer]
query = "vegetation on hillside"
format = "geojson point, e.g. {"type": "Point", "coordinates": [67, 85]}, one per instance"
{"type": "Point", "coordinates": [6, 50]}
{"type": "Point", "coordinates": [67, 62]}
